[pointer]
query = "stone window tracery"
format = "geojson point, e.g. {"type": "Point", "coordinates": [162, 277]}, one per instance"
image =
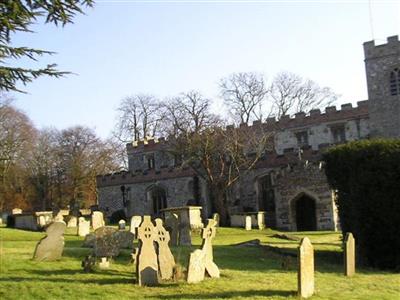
{"type": "Point", "coordinates": [395, 82]}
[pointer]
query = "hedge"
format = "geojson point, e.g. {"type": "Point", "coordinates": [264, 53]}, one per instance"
{"type": "Point", "coordinates": [366, 176]}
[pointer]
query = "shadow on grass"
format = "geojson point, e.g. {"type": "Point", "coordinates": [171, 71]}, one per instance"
{"type": "Point", "coordinates": [230, 294]}
{"type": "Point", "coordinates": [99, 281]}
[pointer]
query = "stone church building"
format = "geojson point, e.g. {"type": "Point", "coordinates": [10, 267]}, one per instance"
{"type": "Point", "coordinates": [289, 185]}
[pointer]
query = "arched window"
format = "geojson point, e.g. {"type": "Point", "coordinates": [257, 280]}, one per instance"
{"type": "Point", "coordinates": [395, 82]}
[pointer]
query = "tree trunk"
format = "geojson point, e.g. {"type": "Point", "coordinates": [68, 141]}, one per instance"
{"type": "Point", "coordinates": [218, 199]}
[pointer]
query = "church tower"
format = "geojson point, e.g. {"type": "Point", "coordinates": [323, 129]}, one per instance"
{"type": "Point", "coordinates": [382, 64]}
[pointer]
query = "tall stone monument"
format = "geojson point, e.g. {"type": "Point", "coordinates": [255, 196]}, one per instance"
{"type": "Point", "coordinates": [147, 265]}
{"type": "Point", "coordinates": [349, 255]}
{"type": "Point", "coordinates": [305, 274]}
{"type": "Point", "coordinates": [51, 247]}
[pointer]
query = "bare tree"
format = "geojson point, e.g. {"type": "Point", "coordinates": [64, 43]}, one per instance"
{"type": "Point", "coordinates": [291, 93]}
{"type": "Point", "coordinates": [139, 117]}
{"type": "Point", "coordinates": [244, 94]}
{"type": "Point", "coordinates": [218, 155]}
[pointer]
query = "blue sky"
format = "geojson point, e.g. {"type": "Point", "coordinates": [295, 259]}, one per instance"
{"type": "Point", "coordinates": [163, 48]}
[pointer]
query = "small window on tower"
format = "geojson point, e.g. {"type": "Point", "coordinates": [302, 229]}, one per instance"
{"type": "Point", "coordinates": [395, 82]}
{"type": "Point", "coordinates": [150, 161]}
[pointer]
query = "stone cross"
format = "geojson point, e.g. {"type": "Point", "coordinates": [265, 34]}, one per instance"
{"type": "Point", "coordinates": [147, 265]}
{"type": "Point", "coordinates": [83, 226]}
{"type": "Point", "coordinates": [349, 255]}
{"type": "Point", "coordinates": [261, 220]}
{"type": "Point", "coordinates": [202, 261]}
{"type": "Point", "coordinates": [248, 222]}
{"type": "Point", "coordinates": [121, 224]}
{"type": "Point", "coordinates": [51, 247]}
{"type": "Point", "coordinates": [305, 275]}
{"type": "Point", "coordinates": [135, 223]}
{"type": "Point", "coordinates": [166, 261]}
{"type": "Point", "coordinates": [97, 220]}
{"type": "Point", "coordinates": [216, 218]}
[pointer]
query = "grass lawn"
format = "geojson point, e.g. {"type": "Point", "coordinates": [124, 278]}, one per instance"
{"type": "Point", "coordinates": [246, 272]}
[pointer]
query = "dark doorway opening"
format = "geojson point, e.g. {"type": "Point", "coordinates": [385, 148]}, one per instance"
{"type": "Point", "coordinates": [266, 199]}
{"type": "Point", "coordinates": [159, 199]}
{"type": "Point", "coordinates": [305, 214]}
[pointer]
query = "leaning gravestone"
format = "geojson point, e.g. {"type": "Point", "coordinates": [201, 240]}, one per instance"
{"type": "Point", "coordinates": [248, 222]}
{"type": "Point", "coordinates": [147, 266]}
{"type": "Point", "coordinates": [305, 275]}
{"type": "Point", "coordinates": [83, 227]}
{"type": "Point", "coordinates": [105, 243]}
{"type": "Point", "coordinates": [121, 224]}
{"type": "Point", "coordinates": [51, 247]}
{"type": "Point", "coordinates": [166, 261]}
{"type": "Point", "coordinates": [97, 220]}
{"type": "Point", "coordinates": [202, 261]}
{"type": "Point", "coordinates": [349, 255]}
{"type": "Point", "coordinates": [135, 223]}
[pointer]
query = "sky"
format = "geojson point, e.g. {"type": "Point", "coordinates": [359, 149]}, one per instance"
{"type": "Point", "coordinates": [121, 48]}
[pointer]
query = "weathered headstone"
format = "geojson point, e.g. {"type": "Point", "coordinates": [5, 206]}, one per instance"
{"type": "Point", "coordinates": [166, 261]}
{"type": "Point", "coordinates": [72, 222]}
{"type": "Point", "coordinates": [248, 222]}
{"type": "Point", "coordinates": [97, 220]}
{"type": "Point", "coordinates": [305, 275]}
{"type": "Point", "coordinates": [124, 238]}
{"type": "Point", "coordinates": [147, 266]}
{"type": "Point", "coordinates": [135, 223]}
{"type": "Point", "coordinates": [216, 218]}
{"type": "Point", "coordinates": [121, 224]}
{"type": "Point", "coordinates": [106, 244]}
{"type": "Point", "coordinates": [16, 211]}
{"type": "Point", "coordinates": [172, 223]}
{"type": "Point", "coordinates": [202, 261]}
{"type": "Point", "coordinates": [197, 266]}
{"type": "Point", "coordinates": [349, 255]}
{"type": "Point", "coordinates": [261, 220]}
{"type": "Point", "coordinates": [59, 217]}
{"type": "Point", "coordinates": [51, 247]}
{"type": "Point", "coordinates": [83, 226]}
{"type": "Point", "coordinates": [42, 221]}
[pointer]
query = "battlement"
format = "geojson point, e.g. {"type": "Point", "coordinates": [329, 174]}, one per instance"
{"type": "Point", "coordinates": [148, 143]}
{"type": "Point", "coordinates": [374, 51]}
{"type": "Point", "coordinates": [126, 177]}
{"type": "Point", "coordinates": [315, 116]}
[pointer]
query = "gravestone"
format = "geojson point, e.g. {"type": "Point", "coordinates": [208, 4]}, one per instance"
{"type": "Point", "coordinates": [166, 261]}
{"type": "Point", "coordinates": [104, 263]}
{"type": "Point", "coordinates": [261, 220]}
{"type": "Point", "coordinates": [83, 227]}
{"type": "Point", "coordinates": [305, 275]}
{"type": "Point", "coordinates": [51, 247]}
{"type": "Point", "coordinates": [105, 243]}
{"type": "Point", "coordinates": [197, 266]}
{"type": "Point", "coordinates": [248, 222]}
{"type": "Point", "coordinates": [72, 222]}
{"type": "Point", "coordinates": [59, 217]}
{"type": "Point", "coordinates": [42, 221]}
{"type": "Point", "coordinates": [121, 224]}
{"type": "Point", "coordinates": [349, 255]}
{"type": "Point", "coordinates": [147, 265]}
{"type": "Point", "coordinates": [172, 223]}
{"type": "Point", "coordinates": [202, 261]}
{"type": "Point", "coordinates": [16, 211]}
{"type": "Point", "coordinates": [135, 223]}
{"type": "Point", "coordinates": [97, 220]}
{"type": "Point", "coordinates": [216, 218]}
{"type": "Point", "coordinates": [124, 238]}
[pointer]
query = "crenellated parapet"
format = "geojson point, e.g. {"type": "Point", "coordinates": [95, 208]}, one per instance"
{"type": "Point", "coordinates": [147, 144]}
{"type": "Point", "coordinates": [126, 177]}
{"type": "Point", "coordinates": [372, 51]}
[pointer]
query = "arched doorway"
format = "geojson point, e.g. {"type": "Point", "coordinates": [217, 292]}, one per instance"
{"type": "Point", "coordinates": [305, 211]}
{"type": "Point", "coordinates": [158, 198]}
